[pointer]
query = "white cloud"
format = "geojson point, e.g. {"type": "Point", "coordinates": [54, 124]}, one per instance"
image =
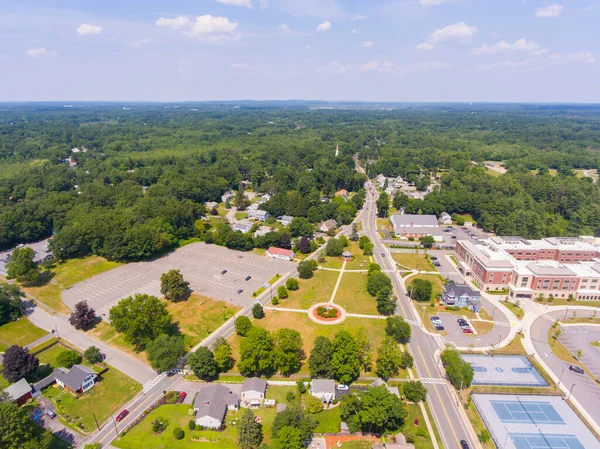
{"type": "Point", "coordinates": [355, 31]}
{"type": "Point", "coordinates": [325, 26]}
{"type": "Point", "coordinates": [176, 23]}
{"type": "Point", "coordinates": [284, 27]}
{"type": "Point", "coordinates": [208, 24]}
{"type": "Point", "coordinates": [377, 66]}
{"type": "Point", "coordinates": [431, 2]}
{"type": "Point", "coordinates": [138, 43]}
{"type": "Point", "coordinates": [520, 46]}
{"type": "Point", "coordinates": [543, 62]}
{"type": "Point", "coordinates": [359, 17]}
{"type": "Point", "coordinates": [549, 11]}
{"type": "Point", "coordinates": [337, 68]}
{"type": "Point", "coordinates": [459, 32]}
{"type": "Point", "coordinates": [239, 65]}
{"type": "Point", "coordinates": [244, 3]}
{"type": "Point", "coordinates": [40, 52]}
{"type": "Point", "coordinates": [367, 44]}
{"type": "Point", "coordinates": [86, 29]}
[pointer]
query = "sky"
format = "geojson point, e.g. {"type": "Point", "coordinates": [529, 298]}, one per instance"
{"type": "Point", "coordinates": [337, 50]}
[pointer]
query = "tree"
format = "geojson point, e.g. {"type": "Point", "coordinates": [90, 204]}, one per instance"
{"type": "Point", "coordinates": [165, 352]}
{"type": "Point", "coordinates": [249, 431]}
{"type": "Point", "coordinates": [304, 245]}
{"type": "Point", "coordinates": [11, 307]}
{"type": "Point", "coordinates": [366, 245]}
{"type": "Point", "coordinates": [18, 431]}
{"type": "Point", "coordinates": [18, 363]}
{"type": "Point", "coordinates": [377, 281]}
{"type": "Point", "coordinates": [258, 311]}
{"type": "Point", "coordinates": [400, 200]}
{"type": "Point", "coordinates": [415, 391]}
{"type": "Point", "coordinates": [203, 363]}
{"type": "Point", "coordinates": [92, 355]}
{"type": "Point", "coordinates": [313, 404]}
{"type": "Point", "coordinates": [343, 241]}
{"type": "Point", "coordinates": [293, 417]}
{"type": "Point", "coordinates": [398, 329]}
{"type": "Point", "coordinates": [383, 205]}
{"type": "Point", "coordinates": [22, 267]}
{"type": "Point", "coordinates": [83, 316]}
{"type": "Point", "coordinates": [282, 292]}
{"type": "Point", "coordinates": [173, 286]}
{"type": "Point", "coordinates": [354, 233]}
{"type": "Point", "coordinates": [345, 365]}
{"type": "Point", "coordinates": [289, 438]}
{"type": "Point", "coordinates": [223, 357]}
{"type": "Point", "coordinates": [375, 410]}
{"type": "Point", "coordinates": [178, 433]}
{"type": "Point", "coordinates": [373, 267]}
{"type": "Point", "coordinates": [460, 372]}
{"type": "Point", "coordinates": [301, 386]}
{"type": "Point", "coordinates": [407, 360]}
{"type": "Point", "coordinates": [141, 318]}
{"type": "Point", "coordinates": [68, 358]}
{"type": "Point", "coordinates": [301, 227]}
{"type": "Point", "coordinates": [243, 325]}
{"type": "Point", "coordinates": [305, 270]}
{"type": "Point", "coordinates": [319, 361]}
{"type": "Point", "coordinates": [241, 201]}
{"type": "Point", "coordinates": [386, 304]}
{"type": "Point", "coordinates": [334, 248]}
{"type": "Point", "coordinates": [257, 353]}
{"type": "Point", "coordinates": [288, 351]}
{"type": "Point", "coordinates": [365, 348]}
{"type": "Point", "coordinates": [427, 241]}
{"type": "Point", "coordinates": [285, 241]}
{"type": "Point", "coordinates": [420, 290]}
{"type": "Point", "coordinates": [292, 284]}
{"type": "Point", "coordinates": [389, 359]}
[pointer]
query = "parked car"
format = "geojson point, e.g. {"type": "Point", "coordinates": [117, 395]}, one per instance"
{"type": "Point", "coordinates": [122, 415]}
{"type": "Point", "coordinates": [433, 258]}
{"type": "Point", "coordinates": [463, 444]}
{"type": "Point", "coordinates": [453, 237]}
{"type": "Point", "coordinates": [181, 397]}
{"type": "Point", "coordinates": [224, 271]}
{"type": "Point", "coordinates": [467, 330]}
{"type": "Point", "coordinates": [248, 278]}
{"type": "Point", "coordinates": [461, 321]}
{"type": "Point", "coordinates": [437, 264]}
{"type": "Point", "coordinates": [435, 320]}
{"type": "Point", "coordinates": [576, 369]}
{"type": "Point", "coordinates": [240, 291]}
{"type": "Point", "coordinates": [438, 327]}
{"type": "Point", "coordinates": [342, 387]}
{"type": "Point", "coordinates": [50, 413]}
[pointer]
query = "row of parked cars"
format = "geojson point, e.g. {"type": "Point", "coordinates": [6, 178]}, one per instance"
{"type": "Point", "coordinates": [439, 326]}
{"type": "Point", "coordinates": [240, 291]}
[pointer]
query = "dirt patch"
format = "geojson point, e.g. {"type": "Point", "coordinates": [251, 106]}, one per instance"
{"type": "Point", "coordinates": [331, 442]}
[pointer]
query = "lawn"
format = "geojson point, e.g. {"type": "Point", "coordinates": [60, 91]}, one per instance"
{"type": "Point", "coordinates": [413, 261]}
{"type": "Point", "coordinates": [241, 215]}
{"type": "Point", "coordinates": [329, 420]}
{"type": "Point", "coordinates": [310, 330]}
{"type": "Point", "coordinates": [20, 332]}
{"type": "Point", "coordinates": [353, 296]}
{"type": "Point", "coordinates": [315, 290]}
{"type": "Point", "coordinates": [48, 360]}
{"type": "Point", "coordinates": [436, 280]}
{"type": "Point", "coordinates": [332, 262]}
{"type": "Point", "coordinates": [518, 312]}
{"type": "Point", "coordinates": [422, 438]}
{"type": "Point", "coordinates": [360, 262]}
{"type": "Point", "coordinates": [64, 275]}
{"type": "Point", "coordinates": [566, 302]}
{"type": "Point", "coordinates": [112, 389]}
{"type": "Point", "coordinates": [482, 327]}
{"type": "Point", "coordinates": [478, 424]}
{"type": "Point", "coordinates": [106, 333]}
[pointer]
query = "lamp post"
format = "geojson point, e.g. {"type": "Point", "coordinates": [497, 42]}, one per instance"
{"type": "Point", "coordinates": [494, 313]}
{"type": "Point", "coordinates": [566, 312]}
{"type": "Point", "coordinates": [560, 377]}
{"type": "Point", "coordinates": [570, 391]}
{"type": "Point", "coordinates": [423, 317]}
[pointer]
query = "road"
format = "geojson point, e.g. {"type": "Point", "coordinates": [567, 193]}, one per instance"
{"type": "Point", "coordinates": [449, 417]}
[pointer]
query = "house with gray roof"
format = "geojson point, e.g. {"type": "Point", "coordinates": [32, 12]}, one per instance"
{"type": "Point", "coordinates": [445, 218]}
{"type": "Point", "coordinates": [327, 225]}
{"type": "Point", "coordinates": [242, 226]}
{"type": "Point", "coordinates": [261, 215]}
{"type": "Point", "coordinates": [254, 390]}
{"type": "Point", "coordinates": [211, 405]}
{"type": "Point", "coordinates": [285, 220]}
{"type": "Point", "coordinates": [19, 392]}
{"type": "Point", "coordinates": [461, 295]}
{"type": "Point", "coordinates": [380, 382]}
{"type": "Point", "coordinates": [324, 389]}
{"type": "Point", "coordinates": [77, 380]}
{"type": "Point", "coordinates": [416, 226]}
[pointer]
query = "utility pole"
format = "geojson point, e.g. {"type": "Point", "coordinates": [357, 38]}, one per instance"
{"type": "Point", "coordinates": [116, 431]}
{"type": "Point", "coordinates": [570, 391]}
{"type": "Point", "coordinates": [561, 373]}
{"type": "Point", "coordinates": [56, 329]}
{"type": "Point", "coordinates": [96, 421]}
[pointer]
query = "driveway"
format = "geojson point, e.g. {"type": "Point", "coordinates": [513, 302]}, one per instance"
{"type": "Point", "coordinates": [53, 424]}
{"type": "Point", "coordinates": [200, 264]}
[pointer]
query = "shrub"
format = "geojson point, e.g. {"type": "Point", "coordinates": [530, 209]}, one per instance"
{"type": "Point", "coordinates": [313, 405]}
{"type": "Point", "coordinates": [292, 284]}
{"type": "Point", "coordinates": [199, 427]}
{"type": "Point", "coordinates": [159, 425]}
{"type": "Point", "coordinates": [192, 424]}
{"type": "Point", "coordinates": [257, 311]}
{"type": "Point", "coordinates": [68, 358]}
{"type": "Point", "coordinates": [275, 300]}
{"type": "Point", "coordinates": [282, 292]}
{"type": "Point", "coordinates": [178, 433]}
{"type": "Point", "coordinates": [301, 387]}
{"type": "Point", "coordinates": [323, 312]}
{"type": "Point", "coordinates": [290, 396]}
{"type": "Point", "coordinates": [484, 436]}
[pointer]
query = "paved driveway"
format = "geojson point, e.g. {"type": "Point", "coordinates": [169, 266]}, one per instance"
{"type": "Point", "coordinates": [199, 263]}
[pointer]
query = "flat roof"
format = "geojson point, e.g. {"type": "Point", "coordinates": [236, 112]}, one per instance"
{"type": "Point", "coordinates": [533, 422]}
{"type": "Point", "coordinates": [414, 220]}
{"type": "Point", "coordinates": [513, 370]}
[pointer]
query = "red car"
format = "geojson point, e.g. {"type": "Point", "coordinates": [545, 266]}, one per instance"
{"type": "Point", "coordinates": [122, 415]}
{"type": "Point", "coordinates": [182, 397]}
{"type": "Point", "coordinates": [467, 330]}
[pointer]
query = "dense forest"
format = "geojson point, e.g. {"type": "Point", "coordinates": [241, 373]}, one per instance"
{"type": "Point", "coordinates": [139, 187]}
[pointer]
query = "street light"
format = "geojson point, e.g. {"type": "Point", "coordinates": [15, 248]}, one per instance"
{"type": "Point", "coordinates": [560, 377]}
{"type": "Point", "coordinates": [570, 391]}
{"type": "Point", "coordinates": [423, 318]}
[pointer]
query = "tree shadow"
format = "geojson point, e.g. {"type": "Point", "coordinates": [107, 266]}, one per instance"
{"type": "Point", "coordinates": [43, 279]}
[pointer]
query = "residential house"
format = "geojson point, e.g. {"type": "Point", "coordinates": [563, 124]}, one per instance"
{"type": "Point", "coordinates": [263, 230]}
{"type": "Point", "coordinates": [227, 196]}
{"type": "Point", "coordinates": [19, 392]}
{"type": "Point", "coordinates": [210, 205]}
{"type": "Point", "coordinates": [326, 226]}
{"type": "Point", "coordinates": [260, 215]}
{"type": "Point", "coordinates": [416, 226]}
{"type": "Point", "coordinates": [324, 389]}
{"type": "Point", "coordinates": [280, 253]}
{"type": "Point", "coordinates": [211, 405]}
{"type": "Point", "coordinates": [445, 218]}
{"type": "Point", "coordinates": [77, 380]}
{"type": "Point", "coordinates": [380, 382]}
{"type": "Point", "coordinates": [253, 206]}
{"type": "Point", "coordinates": [380, 179]}
{"type": "Point", "coordinates": [263, 199]}
{"type": "Point", "coordinates": [343, 193]}
{"type": "Point", "coordinates": [285, 220]}
{"type": "Point", "coordinates": [254, 390]}
{"type": "Point", "coordinates": [461, 295]}
{"type": "Point", "coordinates": [242, 226]}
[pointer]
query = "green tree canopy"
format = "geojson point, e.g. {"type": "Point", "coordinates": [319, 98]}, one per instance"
{"type": "Point", "coordinates": [173, 286]}
{"type": "Point", "coordinates": [249, 431]}
{"type": "Point", "coordinates": [22, 267]}
{"type": "Point", "coordinates": [203, 363]}
{"type": "Point", "coordinates": [288, 351]}
{"type": "Point", "coordinates": [11, 306]}
{"type": "Point", "coordinates": [398, 329]}
{"type": "Point", "coordinates": [165, 351]}
{"type": "Point", "coordinates": [375, 410]}
{"type": "Point", "coordinates": [345, 363]}
{"type": "Point", "coordinates": [389, 359]}
{"type": "Point", "coordinates": [257, 353]}
{"type": "Point", "coordinates": [319, 362]}
{"type": "Point", "coordinates": [420, 290]}
{"type": "Point", "coordinates": [243, 325]}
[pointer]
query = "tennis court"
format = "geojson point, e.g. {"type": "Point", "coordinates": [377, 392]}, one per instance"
{"type": "Point", "coordinates": [509, 370]}
{"type": "Point", "coordinates": [536, 441]}
{"type": "Point", "coordinates": [526, 412]}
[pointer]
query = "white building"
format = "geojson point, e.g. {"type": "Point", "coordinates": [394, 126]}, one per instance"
{"type": "Point", "coordinates": [254, 391]}
{"type": "Point", "coordinates": [324, 389]}
{"type": "Point", "coordinates": [280, 253]}
{"type": "Point", "coordinates": [261, 215]}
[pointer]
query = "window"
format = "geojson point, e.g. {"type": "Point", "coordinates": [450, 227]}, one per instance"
{"type": "Point", "coordinates": [594, 281]}
{"type": "Point", "coordinates": [555, 284]}
{"type": "Point", "coordinates": [546, 284]}
{"type": "Point", "coordinates": [539, 284]}
{"type": "Point", "coordinates": [566, 284]}
{"type": "Point", "coordinates": [524, 281]}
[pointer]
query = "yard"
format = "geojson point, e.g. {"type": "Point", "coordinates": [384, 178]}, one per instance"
{"type": "Point", "coordinates": [64, 275]}
{"type": "Point", "coordinates": [413, 261]}
{"type": "Point", "coordinates": [20, 332]}
{"type": "Point", "coordinates": [415, 425]}
{"type": "Point", "coordinates": [436, 280]}
{"type": "Point", "coordinates": [518, 312]}
{"type": "Point", "coordinates": [360, 262]}
{"type": "Point", "coordinates": [353, 296]}
{"type": "Point", "coordinates": [310, 330]}
{"type": "Point", "coordinates": [317, 289]}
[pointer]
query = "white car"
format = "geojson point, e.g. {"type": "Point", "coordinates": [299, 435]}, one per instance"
{"type": "Point", "coordinates": [342, 387]}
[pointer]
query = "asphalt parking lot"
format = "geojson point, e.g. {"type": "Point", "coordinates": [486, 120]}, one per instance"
{"type": "Point", "coordinates": [580, 337]}
{"type": "Point", "coordinates": [201, 266]}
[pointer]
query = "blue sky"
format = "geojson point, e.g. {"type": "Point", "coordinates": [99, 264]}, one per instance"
{"type": "Point", "coordinates": [375, 50]}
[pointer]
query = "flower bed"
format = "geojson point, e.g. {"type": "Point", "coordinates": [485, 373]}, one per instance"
{"type": "Point", "coordinates": [327, 312]}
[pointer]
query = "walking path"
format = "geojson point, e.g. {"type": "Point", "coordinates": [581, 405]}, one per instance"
{"type": "Point", "coordinates": [337, 284]}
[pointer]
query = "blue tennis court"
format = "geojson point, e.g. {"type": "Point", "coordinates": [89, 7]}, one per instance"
{"type": "Point", "coordinates": [515, 370]}
{"type": "Point", "coordinates": [542, 441]}
{"type": "Point", "coordinates": [526, 412]}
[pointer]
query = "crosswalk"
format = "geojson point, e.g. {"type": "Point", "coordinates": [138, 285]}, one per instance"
{"type": "Point", "coordinates": [412, 322]}
{"type": "Point", "coordinates": [433, 380]}
{"type": "Point", "coordinates": [148, 385]}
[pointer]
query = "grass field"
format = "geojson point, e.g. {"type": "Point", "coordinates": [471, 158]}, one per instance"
{"type": "Point", "coordinates": [564, 302]}
{"type": "Point", "coordinates": [360, 262]}
{"type": "Point", "coordinates": [353, 296]}
{"type": "Point", "coordinates": [20, 332]}
{"type": "Point", "coordinates": [317, 289]}
{"type": "Point", "coordinates": [518, 312]}
{"type": "Point", "coordinates": [422, 436]}
{"type": "Point", "coordinates": [66, 274]}
{"type": "Point", "coordinates": [482, 327]}
{"type": "Point", "coordinates": [112, 389]}
{"type": "Point", "coordinates": [413, 261]}
{"type": "Point", "coordinates": [436, 281]}
{"type": "Point", "coordinates": [310, 330]}
{"type": "Point", "coordinates": [241, 215]}
{"type": "Point", "coordinates": [478, 424]}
